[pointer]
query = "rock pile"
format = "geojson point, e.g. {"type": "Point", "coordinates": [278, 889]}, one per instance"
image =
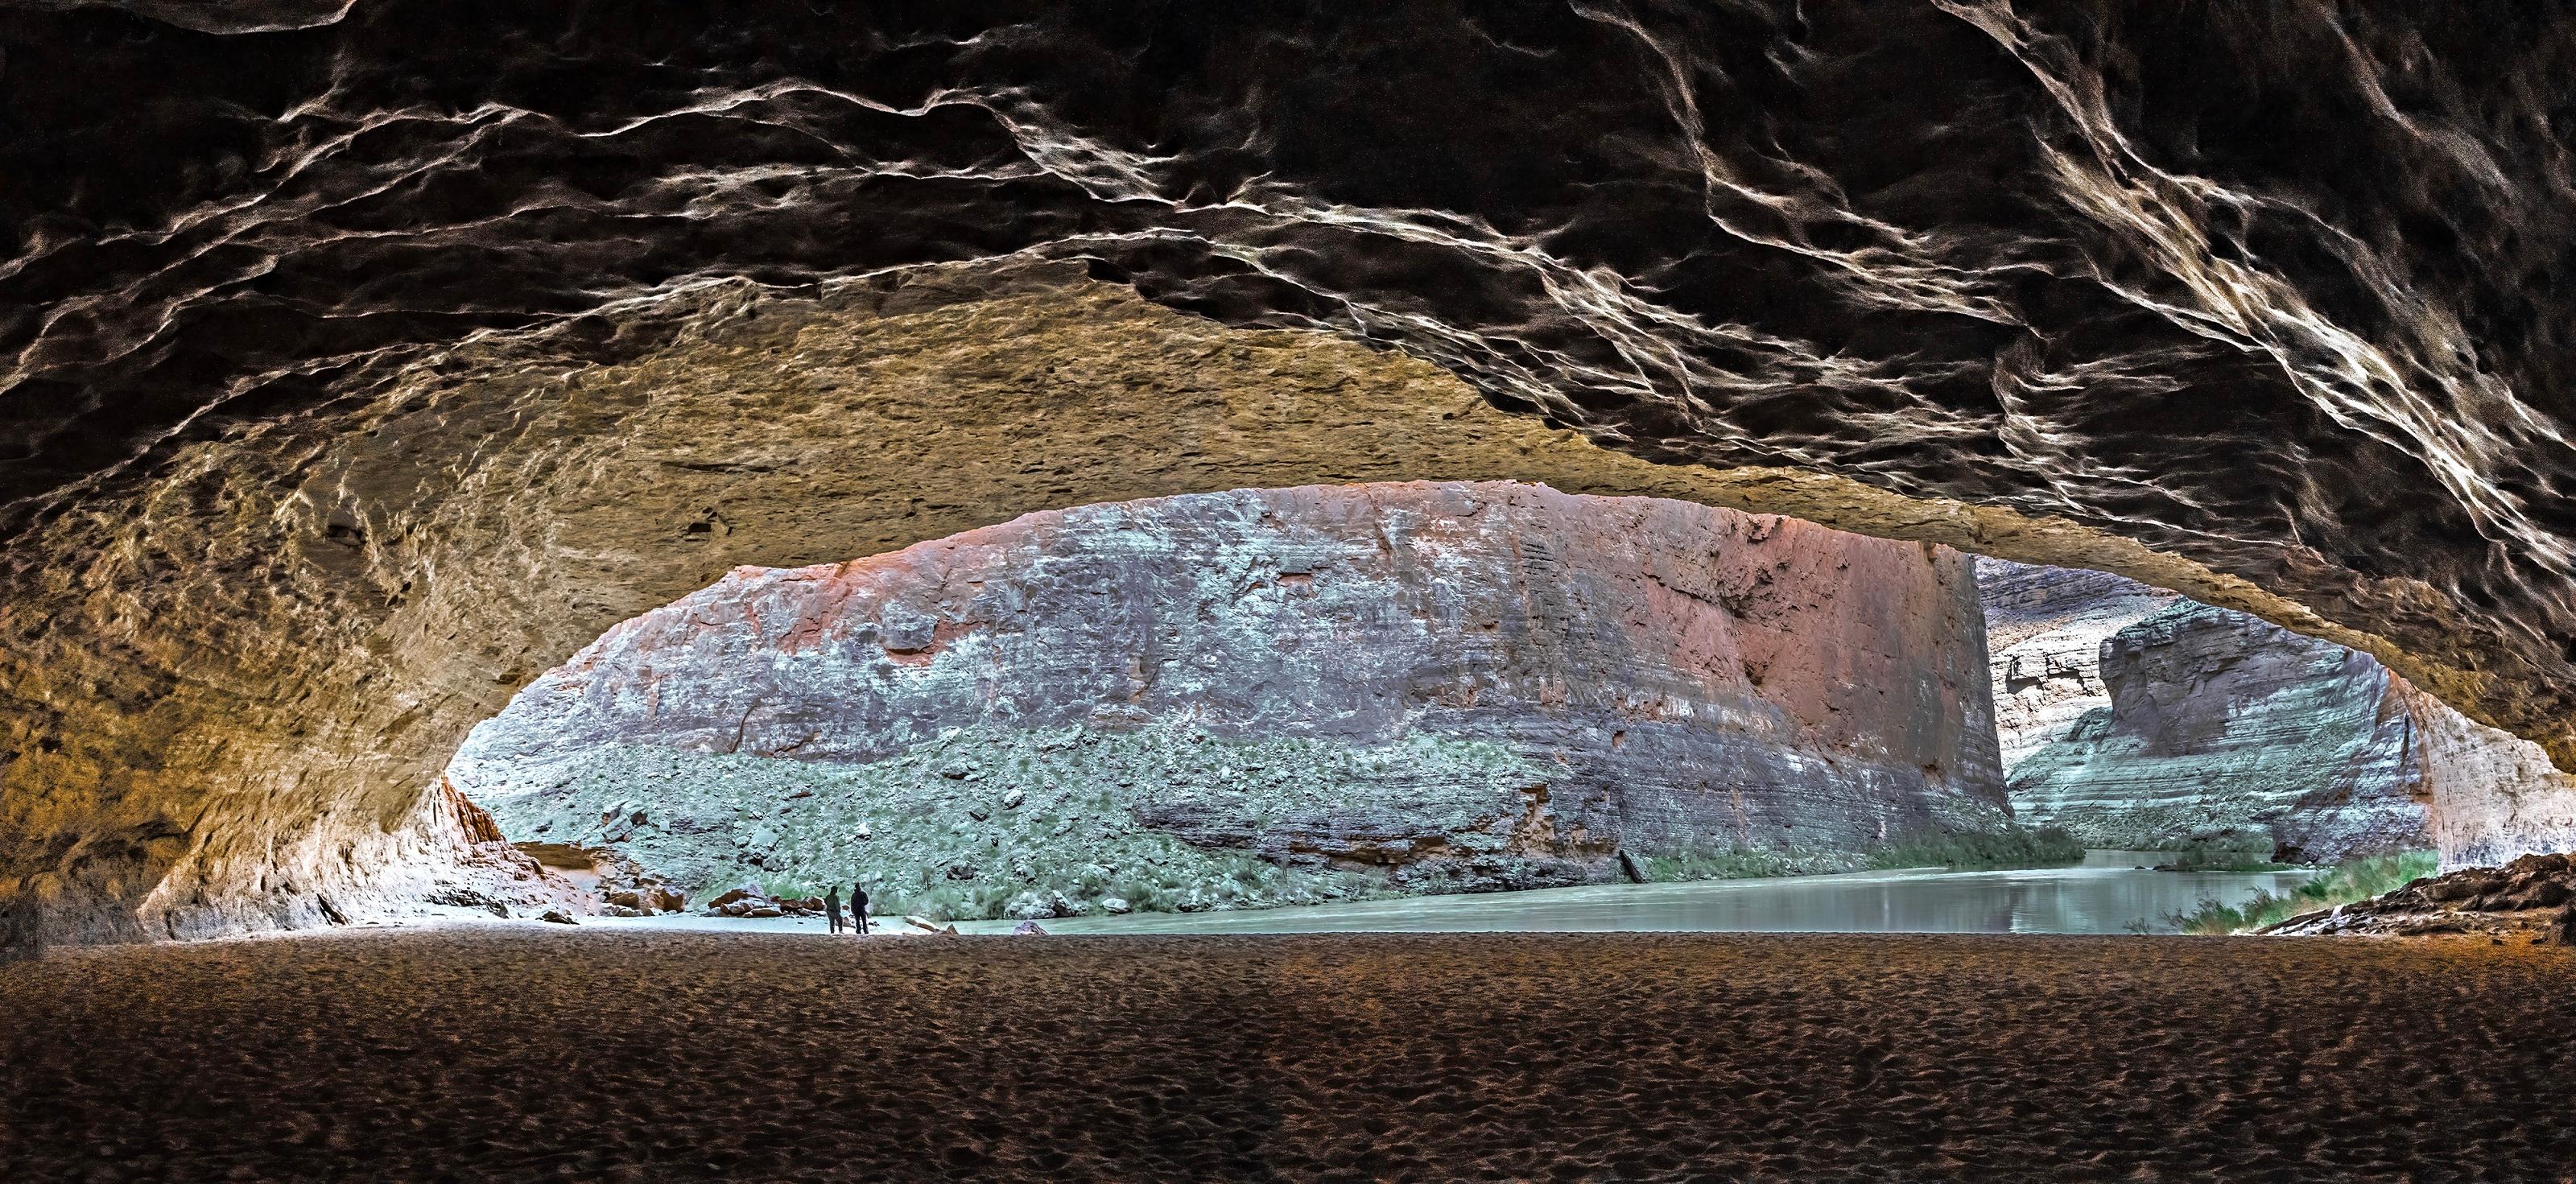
{"type": "Point", "coordinates": [2534, 895]}
{"type": "Point", "coordinates": [751, 901]}
{"type": "Point", "coordinates": [610, 882]}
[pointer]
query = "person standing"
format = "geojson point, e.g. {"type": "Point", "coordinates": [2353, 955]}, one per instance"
{"type": "Point", "coordinates": [859, 909]}
{"type": "Point", "coordinates": [832, 907]}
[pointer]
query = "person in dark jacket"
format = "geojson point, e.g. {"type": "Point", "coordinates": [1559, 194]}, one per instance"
{"type": "Point", "coordinates": [832, 907]}
{"type": "Point", "coordinates": [859, 909]}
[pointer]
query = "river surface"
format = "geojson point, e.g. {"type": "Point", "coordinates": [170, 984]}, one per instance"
{"type": "Point", "coordinates": [2111, 892]}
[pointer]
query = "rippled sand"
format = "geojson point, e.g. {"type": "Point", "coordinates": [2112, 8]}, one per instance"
{"type": "Point", "coordinates": [498, 1053]}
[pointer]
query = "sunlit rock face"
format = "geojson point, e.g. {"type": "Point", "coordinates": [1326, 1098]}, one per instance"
{"type": "Point", "coordinates": [1429, 686]}
{"type": "Point", "coordinates": [2214, 727]}
{"type": "Point", "coordinates": [2224, 730]}
{"type": "Point", "coordinates": [2141, 719]}
{"type": "Point", "coordinates": [2044, 632]}
{"type": "Point", "coordinates": [2496, 797]}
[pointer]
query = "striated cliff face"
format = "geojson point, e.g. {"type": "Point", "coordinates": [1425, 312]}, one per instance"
{"type": "Point", "coordinates": [2496, 796]}
{"type": "Point", "coordinates": [1271, 694]}
{"type": "Point", "coordinates": [2137, 718]}
{"type": "Point", "coordinates": [2044, 632]}
{"type": "Point", "coordinates": [2225, 729]}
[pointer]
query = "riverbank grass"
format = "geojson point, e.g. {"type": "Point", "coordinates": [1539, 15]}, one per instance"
{"type": "Point", "coordinates": [2344, 883]}
{"type": "Point", "coordinates": [1983, 850]}
{"type": "Point", "coordinates": [1965, 850]}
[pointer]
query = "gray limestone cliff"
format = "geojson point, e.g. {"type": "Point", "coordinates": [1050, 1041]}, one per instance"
{"type": "Point", "coordinates": [2044, 632]}
{"type": "Point", "coordinates": [2225, 730]}
{"type": "Point", "coordinates": [1272, 695]}
{"type": "Point", "coordinates": [2234, 730]}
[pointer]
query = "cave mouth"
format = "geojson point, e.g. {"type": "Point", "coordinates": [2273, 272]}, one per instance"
{"type": "Point", "coordinates": [1243, 700]}
{"type": "Point", "coordinates": [237, 681]}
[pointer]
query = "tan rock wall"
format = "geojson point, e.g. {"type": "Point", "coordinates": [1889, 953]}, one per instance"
{"type": "Point", "coordinates": [2495, 795]}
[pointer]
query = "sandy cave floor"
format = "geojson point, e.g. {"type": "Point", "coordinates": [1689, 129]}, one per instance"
{"type": "Point", "coordinates": [519, 1053]}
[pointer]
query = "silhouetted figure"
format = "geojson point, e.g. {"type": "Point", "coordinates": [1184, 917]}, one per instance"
{"type": "Point", "coordinates": [859, 909]}
{"type": "Point", "coordinates": [832, 906]}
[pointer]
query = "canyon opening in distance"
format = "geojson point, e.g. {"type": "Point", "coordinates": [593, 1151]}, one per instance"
{"type": "Point", "coordinates": [1940, 589]}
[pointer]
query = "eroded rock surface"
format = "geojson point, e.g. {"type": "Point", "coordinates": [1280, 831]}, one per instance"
{"type": "Point", "coordinates": [229, 683]}
{"type": "Point", "coordinates": [2496, 796]}
{"type": "Point", "coordinates": [2225, 730]}
{"type": "Point", "coordinates": [2250, 302]}
{"type": "Point", "coordinates": [2044, 632]}
{"type": "Point", "coordinates": [2526, 898]}
{"type": "Point", "coordinates": [2236, 731]}
{"type": "Point", "coordinates": [1261, 695]}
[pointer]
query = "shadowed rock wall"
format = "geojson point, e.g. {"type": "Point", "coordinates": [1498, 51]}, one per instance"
{"type": "Point", "coordinates": [227, 688]}
{"type": "Point", "coordinates": [1468, 685]}
{"type": "Point", "coordinates": [2266, 286]}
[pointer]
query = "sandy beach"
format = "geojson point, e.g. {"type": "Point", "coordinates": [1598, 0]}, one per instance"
{"type": "Point", "coordinates": [512, 1053]}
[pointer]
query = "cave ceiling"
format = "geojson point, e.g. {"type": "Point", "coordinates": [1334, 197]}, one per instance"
{"type": "Point", "coordinates": [2257, 302]}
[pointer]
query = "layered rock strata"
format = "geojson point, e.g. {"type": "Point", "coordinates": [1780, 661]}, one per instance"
{"type": "Point", "coordinates": [2239, 732]}
{"type": "Point", "coordinates": [231, 675]}
{"type": "Point", "coordinates": [337, 403]}
{"type": "Point", "coordinates": [2225, 730]}
{"type": "Point", "coordinates": [1271, 694]}
{"type": "Point", "coordinates": [2496, 796]}
{"type": "Point", "coordinates": [2044, 632]}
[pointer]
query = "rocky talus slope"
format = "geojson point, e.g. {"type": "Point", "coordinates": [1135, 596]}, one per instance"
{"type": "Point", "coordinates": [1268, 695]}
{"type": "Point", "coordinates": [2044, 632]}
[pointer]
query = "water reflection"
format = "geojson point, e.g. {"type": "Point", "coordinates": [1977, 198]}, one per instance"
{"type": "Point", "coordinates": [2109, 893]}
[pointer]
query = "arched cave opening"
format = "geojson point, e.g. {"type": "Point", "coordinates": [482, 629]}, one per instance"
{"type": "Point", "coordinates": [1254, 698]}
{"type": "Point", "coordinates": [235, 678]}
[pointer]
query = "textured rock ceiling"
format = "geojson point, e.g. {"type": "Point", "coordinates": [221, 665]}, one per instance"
{"type": "Point", "coordinates": [2261, 305]}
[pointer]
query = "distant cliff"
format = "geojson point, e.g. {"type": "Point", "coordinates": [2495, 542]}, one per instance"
{"type": "Point", "coordinates": [2225, 729]}
{"type": "Point", "coordinates": [2044, 632]}
{"type": "Point", "coordinates": [1268, 695]}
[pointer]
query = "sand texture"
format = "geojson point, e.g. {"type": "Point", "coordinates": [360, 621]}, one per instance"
{"type": "Point", "coordinates": [477, 1054]}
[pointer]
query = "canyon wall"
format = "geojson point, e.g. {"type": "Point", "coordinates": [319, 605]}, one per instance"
{"type": "Point", "coordinates": [355, 371]}
{"type": "Point", "coordinates": [1272, 695]}
{"type": "Point", "coordinates": [2044, 632]}
{"type": "Point", "coordinates": [2137, 718]}
{"type": "Point", "coordinates": [2225, 730]}
{"type": "Point", "coordinates": [2496, 796]}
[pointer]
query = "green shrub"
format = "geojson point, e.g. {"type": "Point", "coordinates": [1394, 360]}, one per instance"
{"type": "Point", "coordinates": [2223, 857]}
{"type": "Point", "coordinates": [2344, 883]}
{"type": "Point", "coordinates": [1696, 862]}
{"type": "Point", "coordinates": [2011, 846]}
